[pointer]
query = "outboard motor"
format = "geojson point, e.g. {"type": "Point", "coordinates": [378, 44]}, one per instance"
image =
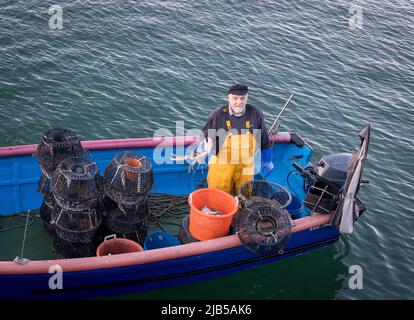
{"type": "Point", "coordinates": [323, 182]}
{"type": "Point", "coordinates": [334, 168]}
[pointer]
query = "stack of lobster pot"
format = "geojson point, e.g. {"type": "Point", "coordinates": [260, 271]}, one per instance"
{"type": "Point", "coordinates": [127, 182]}
{"type": "Point", "coordinates": [76, 186]}
{"type": "Point", "coordinates": [55, 145]}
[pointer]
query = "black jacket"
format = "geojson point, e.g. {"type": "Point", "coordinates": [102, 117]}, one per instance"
{"type": "Point", "coordinates": [217, 120]}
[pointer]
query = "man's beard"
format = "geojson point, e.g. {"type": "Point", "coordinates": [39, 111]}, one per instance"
{"type": "Point", "coordinates": [239, 110]}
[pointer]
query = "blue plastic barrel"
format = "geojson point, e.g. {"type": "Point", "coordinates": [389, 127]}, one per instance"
{"type": "Point", "coordinates": [296, 208]}
{"type": "Point", "coordinates": [160, 239]}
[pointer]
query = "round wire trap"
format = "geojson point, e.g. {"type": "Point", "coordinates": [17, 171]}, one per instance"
{"type": "Point", "coordinates": [76, 184]}
{"type": "Point", "coordinates": [127, 177]}
{"type": "Point", "coordinates": [76, 226]}
{"type": "Point", "coordinates": [125, 220]}
{"type": "Point", "coordinates": [265, 191]}
{"type": "Point", "coordinates": [262, 228]}
{"type": "Point", "coordinates": [139, 235]}
{"type": "Point", "coordinates": [46, 215]}
{"type": "Point", "coordinates": [44, 187]}
{"type": "Point", "coordinates": [56, 145]}
{"type": "Point", "coordinates": [70, 250]}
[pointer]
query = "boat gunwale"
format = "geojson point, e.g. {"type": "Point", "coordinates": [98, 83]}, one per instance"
{"type": "Point", "coordinates": [24, 150]}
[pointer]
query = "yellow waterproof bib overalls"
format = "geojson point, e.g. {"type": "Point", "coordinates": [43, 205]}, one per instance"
{"type": "Point", "coordinates": [234, 164]}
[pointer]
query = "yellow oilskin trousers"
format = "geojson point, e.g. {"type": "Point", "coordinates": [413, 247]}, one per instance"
{"type": "Point", "coordinates": [234, 164]}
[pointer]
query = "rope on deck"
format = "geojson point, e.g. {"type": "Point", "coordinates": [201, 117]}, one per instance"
{"type": "Point", "coordinates": [19, 215]}
{"type": "Point", "coordinates": [164, 206]}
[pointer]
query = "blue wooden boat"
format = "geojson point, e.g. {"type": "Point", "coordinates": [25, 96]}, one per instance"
{"type": "Point", "coordinates": [152, 269]}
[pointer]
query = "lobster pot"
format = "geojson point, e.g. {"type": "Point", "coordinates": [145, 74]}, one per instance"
{"type": "Point", "coordinates": [265, 191]}
{"type": "Point", "coordinates": [126, 219]}
{"type": "Point", "coordinates": [70, 250]}
{"type": "Point", "coordinates": [46, 215]}
{"type": "Point", "coordinates": [76, 226]}
{"type": "Point", "coordinates": [138, 235]}
{"type": "Point", "coordinates": [44, 187]}
{"type": "Point", "coordinates": [56, 145]}
{"type": "Point", "coordinates": [76, 184]}
{"type": "Point", "coordinates": [263, 228]}
{"type": "Point", "coordinates": [128, 177]}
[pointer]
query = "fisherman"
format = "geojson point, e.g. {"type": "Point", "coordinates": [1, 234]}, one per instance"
{"type": "Point", "coordinates": [232, 134]}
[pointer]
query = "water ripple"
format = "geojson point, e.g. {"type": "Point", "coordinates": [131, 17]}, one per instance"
{"type": "Point", "coordinates": [125, 69]}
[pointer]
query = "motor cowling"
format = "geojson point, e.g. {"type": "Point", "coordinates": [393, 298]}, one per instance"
{"type": "Point", "coordinates": [333, 168]}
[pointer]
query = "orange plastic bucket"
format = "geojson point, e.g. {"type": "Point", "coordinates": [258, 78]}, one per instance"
{"type": "Point", "coordinates": [134, 163]}
{"type": "Point", "coordinates": [204, 226]}
{"type": "Point", "coordinates": [117, 246]}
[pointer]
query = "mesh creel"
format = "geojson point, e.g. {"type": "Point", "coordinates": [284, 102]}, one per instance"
{"type": "Point", "coordinates": [140, 208]}
{"type": "Point", "coordinates": [76, 184]}
{"type": "Point", "coordinates": [125, 220]}
{"type": "Point", "coordinates": [69, 250]}
{"type": "Point", "coordinates": [46, 215]}
{"type": "Point", "coordinates": [76, 226]}
{"type": "Point", "coordinates": [127, 177]}
{"type": "Point", "coordinates": [44, 187]}
{"type": "Point", "coordinates": [56, 145]}
{"type": "Point", "coordinates": [263, 228]}
{"type": "Point", "coordinates": [139, 235]}
{"type": "Point", "coordinates": [265, 191]}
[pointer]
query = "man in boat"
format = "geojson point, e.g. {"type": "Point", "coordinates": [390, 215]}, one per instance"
{"type": "Point", "coordinates": [232, 135]}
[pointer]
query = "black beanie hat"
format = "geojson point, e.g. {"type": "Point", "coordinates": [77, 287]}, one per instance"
{"type": "Point", "coordinates": [238, 89]}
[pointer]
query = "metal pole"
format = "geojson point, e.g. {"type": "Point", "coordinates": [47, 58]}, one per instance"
{"type": "Point", "coordinates": [279, 115]}
{"type": "Point", "coordinates": [21, 260]}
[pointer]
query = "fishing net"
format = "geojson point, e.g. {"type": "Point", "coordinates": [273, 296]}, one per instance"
{"type": "Point", "coordinates": [167, 209]}
{"type": "Point", "coordinates": [264, 191]}
{"type": "Point", "coordinates": [128, 177]}
{"type": "Point", "coordinates": [44, 188]}
{"type": "Point", "coordinates": [76, 226]}
{"type": "Point", "coordinates": [70, 250]}
{"type": "Point", "coordinates": [122, 218]}
{"type": "Point", "coordinates": [56, 145]}
{"type": "Point", "coordinates": [262, 228]}
{"type": "Point", "coordinates": [76, 184]}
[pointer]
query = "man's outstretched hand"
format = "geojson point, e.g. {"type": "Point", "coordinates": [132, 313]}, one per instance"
{"type": "Point", "coordinates": [266, 169]}
{"type": "Point", "coordinates": [267, 164]}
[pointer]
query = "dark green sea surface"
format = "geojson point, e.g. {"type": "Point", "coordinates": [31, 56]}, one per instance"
{"type": "Point", "coordinates": [123, 69]}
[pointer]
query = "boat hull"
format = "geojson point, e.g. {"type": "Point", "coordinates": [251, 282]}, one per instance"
{"type": "Point", "coordinates": [155, 275]}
